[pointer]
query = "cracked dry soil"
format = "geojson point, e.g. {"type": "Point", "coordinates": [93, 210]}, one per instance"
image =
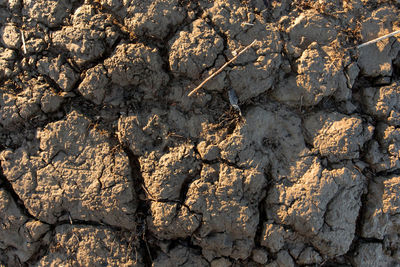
{"type": "Point", "coordinates": [105, 160]}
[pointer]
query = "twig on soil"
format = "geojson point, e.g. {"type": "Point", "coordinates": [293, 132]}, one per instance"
{"type": "Point", "coordinates": [378, 39]}
{"type": "Point", "coordinates": [70, 218]}
{"type": "Point", "coordinates": [23, 40]}
{"type": "Point", "coordinates": [148, 195]}
{"type": "Point", "coordinates": [145, 240]}
{"type": "Point", "coordinates": [221, 69]}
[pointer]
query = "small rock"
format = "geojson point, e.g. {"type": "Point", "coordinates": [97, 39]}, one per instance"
{"type": "Point", "coordinates": [193, 51]}
{"type": "Point", "coordinates": [50, 12]}
{"type": "Point", "coordinates": [153, 19]}
{"type": "Point", "coordinates": [10, 36]}
{"type": "Point", "coordinates": [309, 256]}
{"type": "Point", "coordinates": [50, 102]}
{"type": "Point", "coordinates": [260, 256]}
{"type": "Point", "coordinates": [370, 254]}
{"type": "Point", "coordinates": [337, 136]}
{"type": "Point", "coordinates": [94, 85]}
{"type": "Point", "coordinates": [221, 262]}
{"type": "Point", "coordinates": [58, 71]}
{"type": "Point", "coordinates": [283, 259]}
{"type": "Point", "coordinates": [209, 153]}
{"type": "Point", "coordinates": [84, 245]}
{"type": "Point", "coordinates": [273, 237]}
{"type": "Point", "coordinates": [376, 59]}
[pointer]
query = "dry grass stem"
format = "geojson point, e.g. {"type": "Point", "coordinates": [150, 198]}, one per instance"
{"type": "Point", "coordinates": [23, 41]}
{"type": "Point", "coordinates": [221, 69]}
{"type": "Point", "coordinates": [378, 39]}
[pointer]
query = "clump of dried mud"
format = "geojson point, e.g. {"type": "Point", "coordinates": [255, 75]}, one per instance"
{"type": "Point", "coordinates": [105, 160]}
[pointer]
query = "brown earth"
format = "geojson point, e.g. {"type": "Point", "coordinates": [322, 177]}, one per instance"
{"type": "Point", "coordinates": [105, 160]}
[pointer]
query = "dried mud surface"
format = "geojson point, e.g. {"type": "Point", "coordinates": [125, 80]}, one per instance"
{"type": "Point", "coordinates": [105, 160]}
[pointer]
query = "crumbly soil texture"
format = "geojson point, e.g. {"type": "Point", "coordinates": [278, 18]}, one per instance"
{"type": "Point", "coordinates": [106, 161]}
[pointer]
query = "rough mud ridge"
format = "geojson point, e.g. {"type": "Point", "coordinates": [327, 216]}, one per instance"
{"type": "Point", "coordinates": [105, 160]}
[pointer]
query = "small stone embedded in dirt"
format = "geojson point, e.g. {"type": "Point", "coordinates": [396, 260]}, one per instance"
{"type": "Point", "coordinates": [352, 71]}
{"type": "Point", "coordinates": [80, 172]}
{"type": "Point", "coordinates": [92, 246]}
{"type": "Point", "coordinates": [10, 36]}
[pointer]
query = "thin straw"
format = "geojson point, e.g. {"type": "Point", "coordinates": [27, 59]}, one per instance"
{"type": "Point", "coordinates": [23, 41]}
{"type": "Point", "coordinates": [378, 39]}
{"type": "Point", "coordinates": [221, 69]}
